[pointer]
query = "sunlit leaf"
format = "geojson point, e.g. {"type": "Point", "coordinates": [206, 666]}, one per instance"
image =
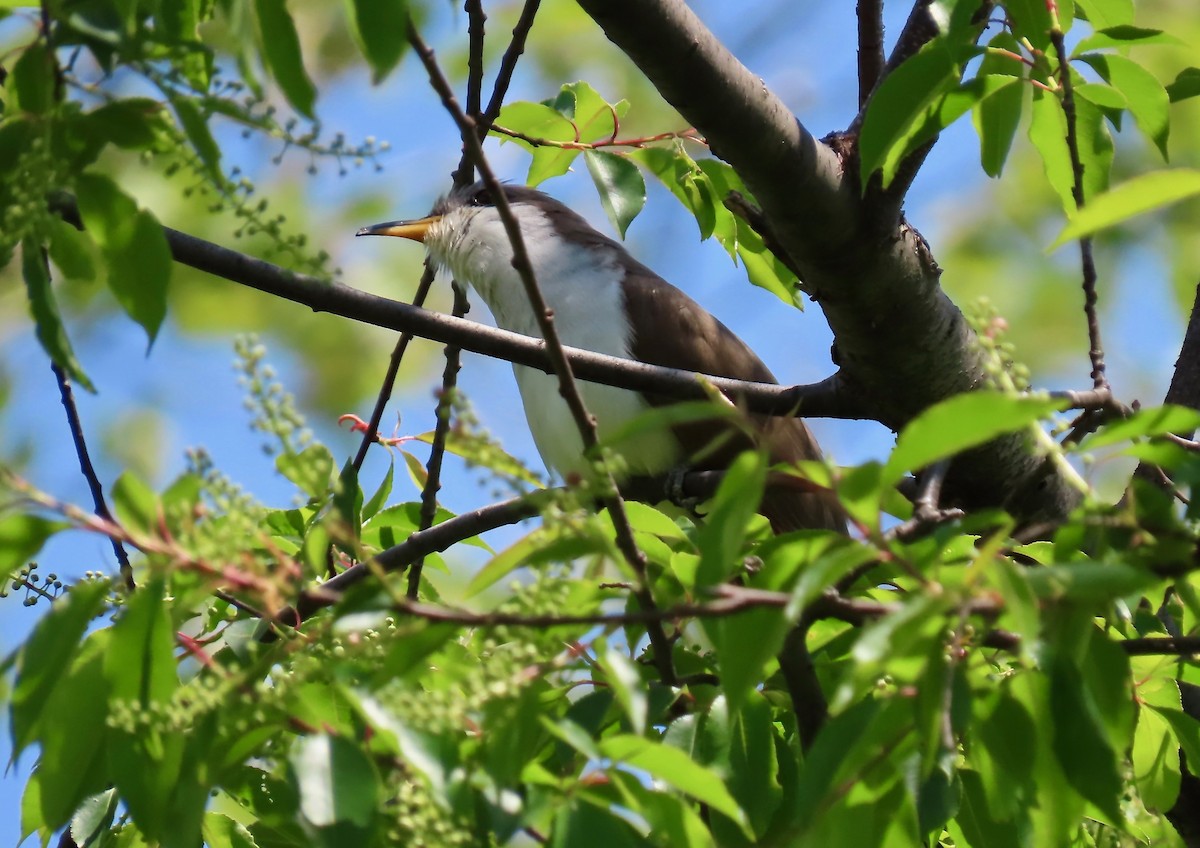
{"type": "Point", "coordinates": [281, 49]}
{"type": "Point", "coordinates": [962, 422]}
{"type": "Point", "coordinates": [1134, 197]}
{"type": "Point", "coordinates": [336, 781]}
{"type": "Point", "coordinates": [134, 247]}
{"type": "Point", "coordinates": [1147, 99]}
{"type": "Point", "coordinates": [47, 654]}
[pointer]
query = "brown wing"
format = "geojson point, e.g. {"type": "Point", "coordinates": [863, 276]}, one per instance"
{"type": "Point", "coordinates": [671, 329]}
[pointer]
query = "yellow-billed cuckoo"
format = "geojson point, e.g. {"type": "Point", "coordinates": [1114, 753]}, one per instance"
{"type": "Point", "coordinates": [606, 301]}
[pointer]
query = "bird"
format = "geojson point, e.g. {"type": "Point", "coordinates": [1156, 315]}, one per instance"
{"type": "Point", "coordinates": [606, 301]}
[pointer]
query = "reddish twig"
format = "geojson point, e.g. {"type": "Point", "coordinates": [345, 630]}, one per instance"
{"type": "Point", "coordinates": [689, 134]}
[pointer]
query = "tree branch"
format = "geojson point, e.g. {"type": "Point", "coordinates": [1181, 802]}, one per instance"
{"type": "Point", "coordinates": [89, 471]}
{"type": "Point", "coordinates": [870, 48]}
{"type": "Point", "coordinates": [567, 386]}
{"type": "Point", "coordinates": [899, 339]}
{"type": "Point", "coordinates": [827, 399]}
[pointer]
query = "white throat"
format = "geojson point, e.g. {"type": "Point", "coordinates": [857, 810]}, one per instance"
{"type": "Point", "coordinates": [582, 285]}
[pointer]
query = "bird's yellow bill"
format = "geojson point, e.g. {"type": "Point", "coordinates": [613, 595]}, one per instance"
{"type": "Point", "coordinates": [414, 230]}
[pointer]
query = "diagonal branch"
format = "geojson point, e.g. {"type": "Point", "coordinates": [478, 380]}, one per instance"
{"type": "Point", "coordinates": [567, 386]}
{"type": "Point", "coordinates": [899, 339]}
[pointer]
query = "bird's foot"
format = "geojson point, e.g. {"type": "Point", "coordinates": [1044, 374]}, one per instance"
{"type": "Point", "coordinates": [675, 492]}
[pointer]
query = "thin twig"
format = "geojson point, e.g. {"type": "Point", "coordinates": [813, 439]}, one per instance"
{"type": "Point", "coordinates": [508, 63]}
{"type": "Point", "coordinates": [562, 367]}
{"type": "Point", "coordinates": [639, 142]}
{"type": "Point", "coordinates": [89, 471]}
{"type": "Point", "coordinates": [437, 451]}
{"type": "Point", "coordinates": [371, 433]}
{"type": "Point", "coordinates": [1095, 346]}
{"type": "Point", "coordinates": [462, 175]}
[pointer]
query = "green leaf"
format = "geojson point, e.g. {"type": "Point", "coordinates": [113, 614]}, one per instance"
{"type": "Point", "coordinates": [46, 318]}
{"type": "Point", "coordinates": [1186, 84]}
{"type": "Point", "coordinates": [71, 251]}
{"type": "Point", "coordinates": [1155, 760]}
{"type": "Point", "coordinates": [21, 537]}
{"type": "Point", "coordinates": [1105, 14]}
{"type": "Point", "coordinates": [900, 102]}
{"type": "Point", "coordinates": [281, 49]}
{"type": "Point", "coordinates": [140, 665]}
{"type": "Point", "coordinates": [676, 769]}
{"type": "Point", "coordinates": [220, 831]}
{"type": "Point", "coordinates": [947, 109]}
{"type": "Point", "coordinates": [578, 824]}
{"type": "Point", "coordinates": [336, 780]}
{"type": "Point", "coordinates": [33, 79]}
{"type": "Point", "coordinates": [1030, 19]}
{"type": "Point", "coordinates": [1089, 582]}
{"type": "Point", "coordinates": [724, 531]}
{"type": "Point", "coordinates": [1080, 743]}
{"type": "Point", "coordinates": [903, 632]}
{"type": "Point", "coordinates": [979, 825]}
{"type": "Point", "coordinates": [683, 177]}
{"type": "Point", "coordinates": [381, 29]}
{"type": "Point", "coordinates": [962, 422]}
{"type": "Point", "coordinates": [1125, 35]}
{"type": "Point", "coordinates": [1146, 422]}
{"type": "Point", "coordinates": [1148, 101]}
{"type": "Point", "coordinates": [94, 817]}
{"type": "Point", "coordinates": [745, 643]}
{"type": "Point", "coordinates": [1129, 199]}
{"type": "Point", "coordinates": [997, 117]}
{"type": "Point", "coordinates": [46, 656]}
{"type": "Point", "coordinates": [311, 469]}
{"type": "Point", "coordinates": [1048, 134]}
{"type": "Point", "coordinates": [135, 504]}
{"type": "Point", "coordinates": [627, 684]}
{"type": "Point", "coordinates": [348, 496]}
{"type": "Point", "coordinates": [763, 268]}
{"type": "Point", "coordinates": [754, 763]}
{"type": "Point", "coordinates": [1101, 95]}
{"type": "Point", "coordinates": [195, 127]}
{"type": "Point", "coordinates": [132, 123]}
{"type": "Point", "coordinates": [134, 246]}
{"type": "Point", "coordinates": [377, 500]}
{"type": "Point", "coordinates": [620, 185]}
{"type": "Point", "coordinates": [73, 734]}
{"type": "Point", "coordinates": [1186, 729]}
{"type": "Point", "coordinates": [539, 121]}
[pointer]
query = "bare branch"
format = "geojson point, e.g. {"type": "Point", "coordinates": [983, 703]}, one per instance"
{"type": "Point", "coordinates": [567, 386]}
{"type": "Point", "coordinates": [870, 47]}
{"type": "Point", "coordinates": [87, 469]}
{"type": "Point", "coordinates": [1095, 347]}
{"type": "Point", "coordinates": [508, 62]}
{"type": "Point", "coordinates": [827, 399]}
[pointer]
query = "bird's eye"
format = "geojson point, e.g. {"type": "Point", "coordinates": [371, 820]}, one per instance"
{"type": "Point", "coordinates": [481, 198]}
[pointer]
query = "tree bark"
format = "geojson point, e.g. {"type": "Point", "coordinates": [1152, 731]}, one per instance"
{"type": "Point", "coordinates": [900, 342]}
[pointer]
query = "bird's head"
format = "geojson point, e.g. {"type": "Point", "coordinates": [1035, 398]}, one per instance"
{"type": "Point", "coordinates": [465, 234]}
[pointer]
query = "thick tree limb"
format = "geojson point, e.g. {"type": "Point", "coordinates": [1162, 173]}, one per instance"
{"type": "Point", "coordinates": [900, 341]}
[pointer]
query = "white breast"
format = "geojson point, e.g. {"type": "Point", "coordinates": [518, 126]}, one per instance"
{"type": "Point", "coordinates": [589, 313]}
